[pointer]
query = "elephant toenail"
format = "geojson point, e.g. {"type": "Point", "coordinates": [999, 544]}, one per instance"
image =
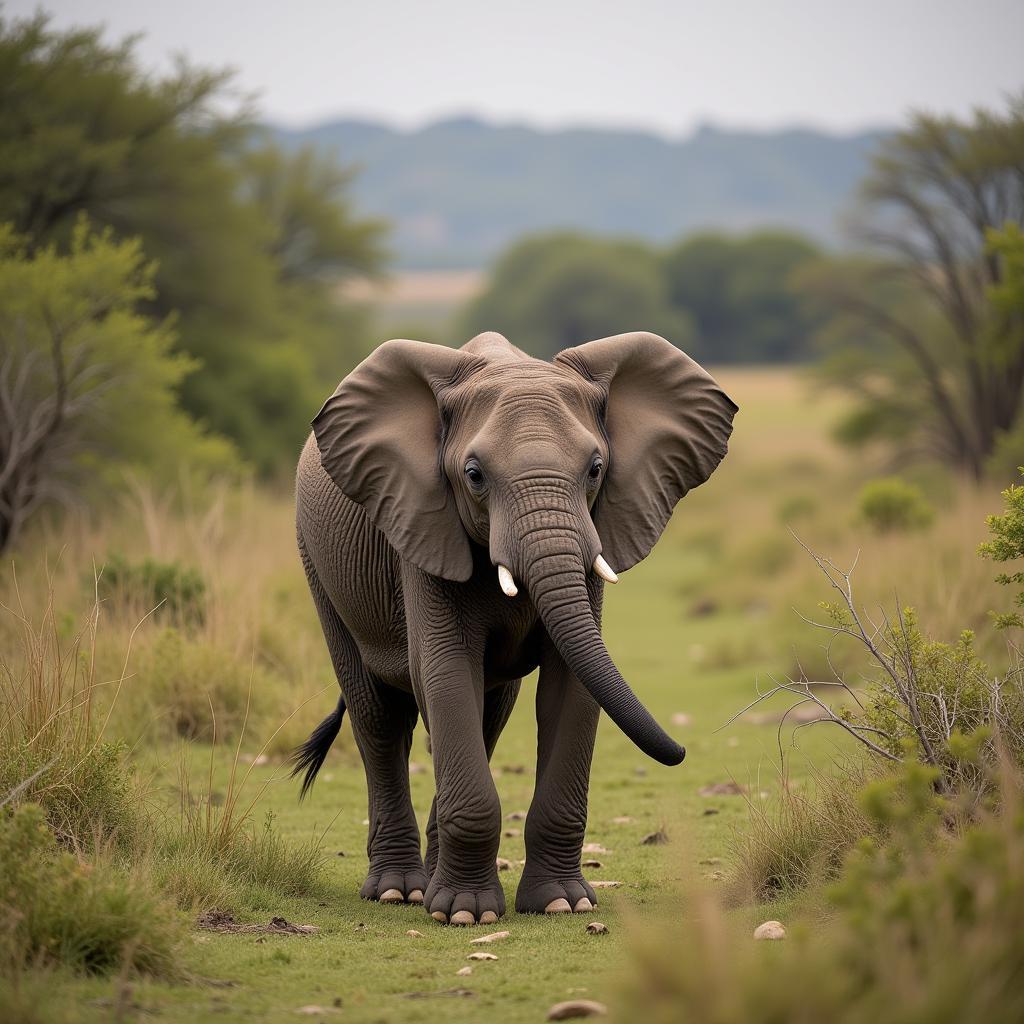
{"type": "Point", "coordinates": [440, 916]}
{"type": "Point", "coordinates": [392, 896]}
{"type": "Point", "coordinates": [463, 917]}
{"type": "Point", "coordinates": [416, 896]}
{"type": "Point", "coordinates": [582, 905]}
{"type": "Point", "coordinates": [559, 906]}
{"type": "Point", "coordinates": [488, 917]}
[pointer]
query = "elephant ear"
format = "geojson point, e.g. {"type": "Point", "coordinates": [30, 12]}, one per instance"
{"type": "Point", "coordinates": [668, 426]}
{"type": "Point", "coordinates": [379, 437]}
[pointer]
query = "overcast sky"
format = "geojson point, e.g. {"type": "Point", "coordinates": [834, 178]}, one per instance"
{"type": "Point", "coordinates": [837, 64]}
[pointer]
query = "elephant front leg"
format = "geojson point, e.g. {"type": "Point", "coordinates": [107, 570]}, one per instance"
{"type": "Point", "coordinates": [464, 888]}
{"type": "Point", "coordinates": [567, 715]}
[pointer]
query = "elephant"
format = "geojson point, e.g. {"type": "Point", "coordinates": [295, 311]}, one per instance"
{"type": "Point", "coordinates": [458, 513]}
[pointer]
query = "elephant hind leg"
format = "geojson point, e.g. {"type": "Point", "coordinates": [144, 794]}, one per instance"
{"type": "Point", "coordinates": [382, 720]}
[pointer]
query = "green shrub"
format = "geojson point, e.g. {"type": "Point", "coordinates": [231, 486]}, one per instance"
{"type": "Point", "coordinates": [191, 688]}
{"type": "Point", "coordinates": [57, 910]}
{"type": "Point", "coordinates": [892, 505]}
{"type": "Point", "coordinates": [1007, 545]}
{"type": "Point", "coordinates": [172, 589]}
{"type": "Point", "coordinates": [925, 924]}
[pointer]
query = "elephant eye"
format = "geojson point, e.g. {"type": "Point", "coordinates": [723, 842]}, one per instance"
{"type": "Point", "coordinates": [474, 474]}
{"type": "Point", "coordinates": [595, 468]}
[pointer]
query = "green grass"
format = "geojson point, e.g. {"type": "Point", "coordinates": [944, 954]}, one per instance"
{"type": "Point", "coordinates": [694, 628]}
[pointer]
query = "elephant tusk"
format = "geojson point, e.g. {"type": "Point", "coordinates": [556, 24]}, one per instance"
{"type": "Point", "coordinates": [508, 585]}
{"type": "Point", "coordinates": [604, 570]}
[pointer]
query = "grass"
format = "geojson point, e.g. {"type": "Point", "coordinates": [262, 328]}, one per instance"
{"type": "Point", "coordinates": [695, 628]}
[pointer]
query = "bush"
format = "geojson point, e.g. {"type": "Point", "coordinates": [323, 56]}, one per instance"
{"type": "Point", "coordinates": [51, 749]}
{"type": "Point", "coordinates": [1007, 545]}
{"type": "Point", "coordinates": [193, 689]}
{"type": "Point", "coordinates": [892, 505]}
{"type": "Point", "coordinates": [927, 925]}
{"type": "Point", "coordinates": [57, 910]}
{"type": "Point", "coordinates": [172, 589]}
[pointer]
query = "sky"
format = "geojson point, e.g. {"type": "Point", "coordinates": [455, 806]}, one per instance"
{"type": "Point", "coordinates": [839, 65]}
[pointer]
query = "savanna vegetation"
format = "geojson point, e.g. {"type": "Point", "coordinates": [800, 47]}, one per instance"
{"type": "Point", "coordinates": [832, 630]}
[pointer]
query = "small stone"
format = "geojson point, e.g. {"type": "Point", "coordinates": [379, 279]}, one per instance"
{"type": "Point", "coordinates": [659, 838]}
{"type": "Point", "coordinates": [415, 768]}
{"type": "Point", "coordinates": [481, 956]}
{"type": "Point", "coordinates": [597, 928]}
{"type": "Point", "coordinates": [464, 972]}
{"type": "Point", "coordinates": [413, 934]}
{"type": "Point", "coordinates": [366, 821]}
{"type": "Point", "coordinates": [514, 769]}
{"type": "Point", "coordinates": [772, 930]}
{"type": "Point", "coordinates": [512, 833]}
{"type": "Point", "coordinates": [708, 811]}
{"type": "Point", "coordinates": [574, 1008]}
{"type": "Point", "coordinates": [594, 848]}
{"type": "Point", "coordinates": [315, 1011]}
{"type": "Point", "coordinates": [516, 816]}
{"type": "Point", "coordinates": [502, 864]}
{"type": "Point", "coordinates": [640, 772]}
{"type": "Point", "coordinates": [622, 819]}
{"type": "Point", "coordinates": [712, 861]}
{"type": "Point", "coordinates": [493, 937]}
{"type": "Point", "coordinates": [679, 718]}
{"type": "Point", "coordinates": [605, 885]}
{"type": "Point", "coordinates": [592, 864]}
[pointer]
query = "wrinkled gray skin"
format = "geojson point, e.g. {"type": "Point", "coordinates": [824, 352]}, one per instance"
{"type": "Point", "coordinates": [427, 469]}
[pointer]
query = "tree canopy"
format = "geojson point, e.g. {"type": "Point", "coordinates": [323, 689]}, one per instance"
{"type": "Point", "coordinates": [242, 234]}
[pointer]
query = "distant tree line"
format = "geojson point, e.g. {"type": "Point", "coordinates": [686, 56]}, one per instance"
{"type": "Point", "coordinates": [168, 276]}
{"type": "Point", "coordinates": [924, 325]}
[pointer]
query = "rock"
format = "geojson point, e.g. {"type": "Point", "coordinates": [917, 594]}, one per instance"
{"type": "Point", "coordinates": [722, 789]}
{"type": "Point", "coordinates": [622, 819]}
{"type": "Point", "coordinates": [659, 838]}
{"type": "Point", "coordinates": [597, 928]}
{"type": "Point", "coordinates": [681, 718]}
{"type": "Point", "coordinates": [481, 956]}
{"type": "Point", "coordinates": [502, 864]}
{"type": "Point", "coordinates": [708, 811]}
{"type": "Point", "coordinates": [592, 864]}
{"type": "Point", "coordinates": [514, 769]}
{"type": "Point", "coordinates": [464, 972]}
{"type": "Point", "coordinates": [594, 848]}
{"type": "Point", "coordinates": [512, 833]}
{"type": "Point", "coordinates": [516, 816]}
{"type": "Point", "coordinates": [703, 608]}
{"type": "Point", "coordinates": [772, 930]}
{"type": "Point", "coordinates": [493, 937]}
{"type": "Point", "coordinates": [640, 772]}
{"type": "Point", "coordinates": [605, 885]}
{"type": "Point", "coordinates": [315, 1011]}
{"type": "Point", "coordinates": [574, 1008]}
{"type": "Point", "coordinates": [712, 861]}
{"type": "Point", "coordinates": [415, 768]}
{"type": "Point", "coordinates": [413, 934]}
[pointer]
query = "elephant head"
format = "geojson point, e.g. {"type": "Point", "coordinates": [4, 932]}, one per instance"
{"type": "Point", "coordinates": [557, 469]}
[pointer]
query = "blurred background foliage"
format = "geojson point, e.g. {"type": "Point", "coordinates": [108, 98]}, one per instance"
{"type": "Point", "coordinates": [249, 282]}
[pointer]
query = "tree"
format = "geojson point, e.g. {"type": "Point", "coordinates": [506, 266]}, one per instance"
{"type": "Point", "coordinates": [739, 293]}
{"type": "Point", "coordinates": [551, 292]}
{"type": "Point", "coordinates": [947, 366]}
{"type": "Point", "coordinates": [88, 384]}
{"type": "Point", "coordinates": [244, 237]}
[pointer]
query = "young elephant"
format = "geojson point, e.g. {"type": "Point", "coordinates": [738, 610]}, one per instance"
{"type": "Point", "coordinates": [458, 511]}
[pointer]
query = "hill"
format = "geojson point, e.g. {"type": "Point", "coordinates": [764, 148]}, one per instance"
{"type": "Point", "coordinates": [459, 190]}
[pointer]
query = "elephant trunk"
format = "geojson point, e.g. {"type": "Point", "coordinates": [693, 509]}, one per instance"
{"type": "Point", "coordinates": [554, 568]}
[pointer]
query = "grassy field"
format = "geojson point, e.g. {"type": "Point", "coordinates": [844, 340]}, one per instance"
{"type": "Point", "coordinates": [708, 618]}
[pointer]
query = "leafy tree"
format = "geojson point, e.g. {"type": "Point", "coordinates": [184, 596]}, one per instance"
{"type": "Point", "coordinates": [941, 311]}
{"type": "Point", "coordinates": [243, 236]}
{"type": "Point", "coordinates": [88, 384]}
{"type": "Point", "coordinates": [554, 291]}
{"type": "Point", "coordinates": [739, 293]}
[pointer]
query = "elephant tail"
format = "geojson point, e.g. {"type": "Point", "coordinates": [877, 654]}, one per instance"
{"type": "Point", "coordinates": [309, 758]}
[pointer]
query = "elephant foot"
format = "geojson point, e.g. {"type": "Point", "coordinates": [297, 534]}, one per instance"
{"type": "Point", "coordinates": [456, 904]}
{"type": "Point", "coordinates": [395, 885]}
{"type": "Point", "coordinates": [538, 895]}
